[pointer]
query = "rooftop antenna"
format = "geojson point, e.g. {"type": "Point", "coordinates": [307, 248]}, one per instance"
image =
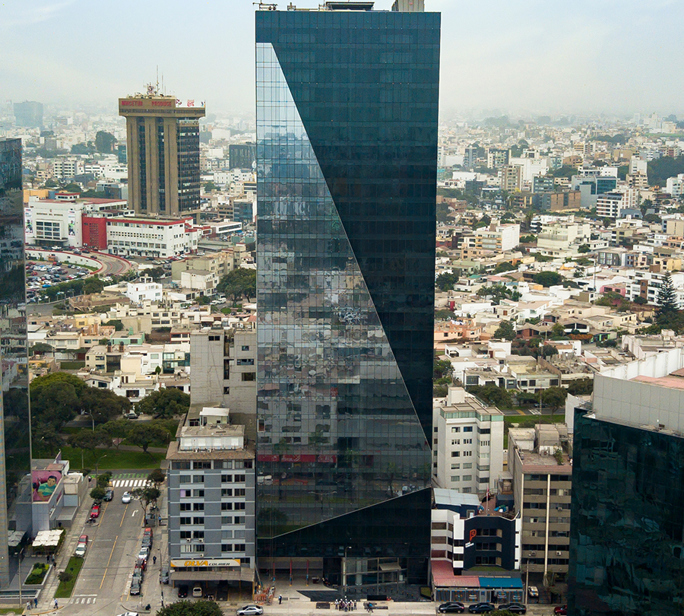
{"type": "Point", "coordinates": [157, 84]}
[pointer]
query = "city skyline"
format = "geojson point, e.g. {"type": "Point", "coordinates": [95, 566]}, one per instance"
{"type": "Point", "coordinates": [605, 58]}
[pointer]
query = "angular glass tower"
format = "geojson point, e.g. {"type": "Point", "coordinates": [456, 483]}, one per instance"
{"type": "Point", "coordinates": [347, 106]}
{"type": "Point", "coordinates": [15, 434]}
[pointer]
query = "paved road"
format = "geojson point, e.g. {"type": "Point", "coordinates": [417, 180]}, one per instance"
{"type": "Point", "coordinates": [112, 265]}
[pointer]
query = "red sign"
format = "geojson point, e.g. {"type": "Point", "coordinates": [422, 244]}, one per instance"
{"type": "Point", "coordinates": [135, 103]}
{"type": "Point", "coordinates": [473, 534]}
{"type": "Point", "coordinates": [327, 458]}
{"type": "Point", "coordinates": [288, 457]}
{"type": "Point", "coordinates": [162, 103]}
{"type": "Point", "coordinates": [267, 457]}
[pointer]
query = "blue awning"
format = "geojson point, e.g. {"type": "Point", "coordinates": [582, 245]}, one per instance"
{"type": "Point", "coordinates": [500, 582]}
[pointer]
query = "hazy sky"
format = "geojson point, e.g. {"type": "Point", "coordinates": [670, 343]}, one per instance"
{"type": "Point", "coordinates": [612, 56]}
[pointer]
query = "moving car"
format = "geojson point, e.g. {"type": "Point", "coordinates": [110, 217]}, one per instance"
{"type": "Point", "coordinates": [109, 495]}
{"type": "Point", "coordinates": [250, 610]}
{"type": "Point", "coordinates": [182, 591]}
{"type": "Point", "coordinates": [561, 609]}
{"type": "Point", "coordinates": [451, 607]}
{"type": "Point", "coordinates": [164, 575]}
{"type": "Point", "coordinates": [126, 498]}
{"type": "Point", "coordinates": [481, 608]}
{"type": "Point", "coordinates": [513, 608]}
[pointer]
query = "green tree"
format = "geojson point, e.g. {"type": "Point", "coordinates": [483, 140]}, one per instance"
{"type": "Point", "coordinates": [504, 266]}
{"type": "Point", "coordinates": [117, 430]}
{"type": "Point", "coordinates": [446, 281]}
{"type": "Point", "coordinates": [442, 368]}
{"type": "Point", "coordinates": [41, 347]}
{"type": "Point", "coordinates": [667, 300]}
{"type": "Point", "coordinates": [104, 142]}
{"type": "Point", "coordinates": [93, 285]}
{"type": "Point", "coordinates": [73, 187]}
{"type": "Point", "coordinates": [191, 608]}
{"type": "Point", "coordinates": [558, 331]}
{"type": "Point", "coordinates": [55, 398]}
{"type": "Point", "coordinates": [548, 279]}
{"type": "Point", "coordinates": [157, 477]}
{"type": "Point", "coordinates": [584, 248]}
{"type": "Point", "coordinates": [210, 187]}
{"type": "Point", "coordinates": [239, 283]}
{"type": "Point", "coordinates": [165, 403]}
{"type": "Point", "coordinates": [145, 434]}
{"type": "Point", "coordinates": [491, 394]}
{"type": "Point", "coordinates": [97, 494]}
{"type": "Point", "coordinates": [581, 387]}
{"type": "Point", "coordinates": [554, 397]}
{"type": "Point", "coordinates": [146, 496]}
{"type": "Point", "coordinates": [102, 405]}
{"type": "Point", "coordinates": [116, 324]}
{"type": "Point", "coordinates": [497, 293]}
{"type": "Point", "coordinates": [505, 331]}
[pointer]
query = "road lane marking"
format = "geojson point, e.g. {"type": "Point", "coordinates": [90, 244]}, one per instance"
{"type": "Point", "coordinates": [123, 516]}
{"type": "Point", "coordinates": [110, 559]}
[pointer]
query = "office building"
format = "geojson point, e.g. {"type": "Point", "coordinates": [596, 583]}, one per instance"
{"type": "Point", "coordinates": [211, 500]}
{"type": "Point", "coordinates": [15, 467]}
{"type": "Point", "coordinates": [627, 542]}
{"type": "Point", "coordinates": [28, 114]}
{"type": "Point", "coordinates": [347, 104]}
{"type": "Point", "coordinates": [541, 470]}
{"type": "Point", "coordinates": [241, 156]}
{"type": "Point", "coordinates": [467, 446]}
{"type": "Point", "coordinates": [162, 148]}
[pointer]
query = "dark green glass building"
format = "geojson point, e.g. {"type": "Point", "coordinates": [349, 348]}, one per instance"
{"type": "Point", "coordinates": [347, 110]}
{"type": "Point", "coordinates": [627, 524]}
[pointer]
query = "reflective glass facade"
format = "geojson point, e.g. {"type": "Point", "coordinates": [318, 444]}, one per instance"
{"type": "Point", "coordinates": [627, 525]}
{"type": "Point", "coordinates": [346, 181]}
{"type": "Point", "coordinates": [15, 457]}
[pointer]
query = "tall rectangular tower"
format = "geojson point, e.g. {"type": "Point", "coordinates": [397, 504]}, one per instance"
{"type": "Point", "coordinates": [15, 433]}
{"type": "Point", "coordinates": [347, 110]}
{"type": "Point", "coordinates": [162, 138]}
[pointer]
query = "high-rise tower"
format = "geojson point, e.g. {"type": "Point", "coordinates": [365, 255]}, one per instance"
{"type": "Point", "coordinates": [15, 434]}
{"type": "Point", "coordinates": [162, 137]}
{"type": "Point", "coordinates": [347, 107]}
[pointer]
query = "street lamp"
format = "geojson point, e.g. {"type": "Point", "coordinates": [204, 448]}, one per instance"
{"type": "Point", "coordinates": [344, 571]}
{"type": "Point", "coordinates": [20, 556]}
{"type": "Point", "coordinates": [97, 464]}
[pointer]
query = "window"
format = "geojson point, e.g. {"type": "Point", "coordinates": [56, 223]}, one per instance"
{"type": "Point", "coordinates": [245, 347]}
{"type": "Point", "coordinates": [455, 467]}
{"type": "Point", "coordinates": [227, 464]}
{"type": "Point", "coordinates": [456, 441]}
{"type": "Point", "coordinates": [467, 465]}
{"type": "Point", "coordinates": [453, 430]}
{"type": "Point", "coordinates": [239, 519]}
{"type": "Point", "coordinates": [240, 492]}
{"type": "Point", "coordinates": [202, 465]}
{"type": "Point", "coordinates": [226, 492]}
{"type": "Point", "coordinates": [199, 520]}
{"type": "Point", "coordinates": [467, 477]}
{"type": "Point", "coordinates": [185, 478]}
{"type": "Point", "coordinates": [455, 454]}
{"type": "Point", "coordinates": [239, 547]}
{"type": "Point", "coordinates": [226, 519]}
{"type": "Point", "coordinates": [198, 506]}
{"type": "Point", "coordinates": [484, 443]}
{"type": "Point", "coordinates": [226, 534]}
{"type": "Point", "coordinates": [181, 466]}
{"type": "Point", "coordinates": [249, 376]}
{"type": "Point", "coordinates": [226, 506]}
{"type": "Point", "coordinates": [467, 454]}
{"type": "Point", "coordinates": [467, 428]}
{"type": "Point", "coordinates": [198, 479]}
{"type": "Point", "coordinates": [455, 478]}
{"type": "Point", "coordinates": [185, 522]}
{"type": "Point", "coordinates": [467, 441]}
{"type": "Point", "coordinates": [226, 479]}
{"type": "Point", "coordinates": [239, 479]}
{"type": "Point", "coordinates": [226, 547]}
{"type": "Point", "coordinates": [186, 506]}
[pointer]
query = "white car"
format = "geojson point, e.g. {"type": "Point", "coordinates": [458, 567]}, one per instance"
{"type": "Point", "coordinates": [80, 550]}
{"type": "Point", "coordinates": [126, 498]}
{"type": "Point", "coordinates": [129, 614]}
{"type": "Point", "coordinates": [144, 553]}
{"type": "Point", "coordinates": [251, 610]}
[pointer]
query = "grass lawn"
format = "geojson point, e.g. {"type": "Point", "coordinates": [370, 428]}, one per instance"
{"type": "Point", "coordinates": [111, 459]}
{"type": "Point", "coordinates": [65, 589]}
{"type": "Point", "coordinates": [19, 609]}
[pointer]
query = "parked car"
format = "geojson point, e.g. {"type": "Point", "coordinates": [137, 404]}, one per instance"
{"type": "Point", "coordinates": [164, 575]}
{"type": "Point", "coordinates": [451, 607]}
{"type": "Point", "coordinates": [146, 541]}
{"type": "Point", "coordinates": [109, 494]}
{"type": "Point", "coordinates": [131, 415]}
{"type": "Point", "coordinates": [81, 550]}
{"type": "Point", "coordinates": [182, 591]}
{"type": "Point", "coordinates": [126, 498]}
{"type": "Point", "coordinates": [513, 608]}
{"type": "Point", "coordinates": [95, 511]}
{"type": "Point", "coordinates": [250, 610]}
{"type": "Point", "coordinates": [144, 553]}
{"type": "Point", "coordinates": [481, 608]}
{"type": "Point", "coordinates": [561, 609]}
{"type": "Point", "coordinates": [135, 586]}
{"type": "Point", "coordinates": [197, 591]}
{"type": "Point", "coordinates": [533, 592]}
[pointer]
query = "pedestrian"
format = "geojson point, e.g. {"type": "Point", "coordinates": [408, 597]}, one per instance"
{"type": "Point", "coordinates": [35, 602]}
{"type": "Point", "coordinates": [56, 605]}
{"type": "Point", "coordinates": [154, 560]}
{"type": "Point", "coordinates": [28, 606]}
{"type": "Point", "coordinates": [280, 599]}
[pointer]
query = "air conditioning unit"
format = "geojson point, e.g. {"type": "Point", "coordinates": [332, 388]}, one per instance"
{"type": "Point", "coordinates": [559, 553]}
{"type": "Point", "coordinates": [533, 554]}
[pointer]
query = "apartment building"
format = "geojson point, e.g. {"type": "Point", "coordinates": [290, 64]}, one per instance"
{"type": "Point", "coordinates": [496, 237]}
{"type": "Point", "coordinates": [610, 205]}
{"type": "Point", "coordinates": [542, 484]}
{"type": "Point", "coordinates": [467, 444]}
{"type": "Point", "coordinates": [211, 500]}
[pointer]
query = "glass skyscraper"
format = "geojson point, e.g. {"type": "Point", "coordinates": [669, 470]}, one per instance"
{"type": "Point", "coordinates": [627, 524]}
{"type": "Point", "coordinates": [15, 457]}
{"type": "Point", "coordinates": [347, 109]}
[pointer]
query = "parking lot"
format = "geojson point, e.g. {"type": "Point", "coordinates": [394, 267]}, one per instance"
{"type": "Point", "coordinates": [40, 275]}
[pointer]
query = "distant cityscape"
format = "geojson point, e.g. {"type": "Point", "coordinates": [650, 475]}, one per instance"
{"type": "Point", "coordinates": [342, 354]}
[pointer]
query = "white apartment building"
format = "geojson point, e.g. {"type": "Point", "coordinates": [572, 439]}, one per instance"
{"type": "Point", "coordinates": [610, 205]}
{"type": "Point", "coordinates": [498, 238]}
{"type": "Point", "coordinates": [199, 280]}
{"type": "Point", "coordinates": [557, 238]}
{"type": "Point", "coordinates": [67, 167]}
{"type": "Point", "coordinates": [675, 185]}
{"type": "Point", "coordinates": [647, 285]}
{"type": "Point", "coordinates": [467, 444]}
{"type": "Point", "coordinates": [150, 237]}
{"type": "Point", "coordinates": [144, 289]}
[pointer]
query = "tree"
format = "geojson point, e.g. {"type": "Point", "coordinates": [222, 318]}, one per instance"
{"type": "Point", "coordinates": [146, 495]}
{"type": "Point", "coordinates": [145, 434]}
{"type": "Point", "coordinates": [558, 331]}
{"type": "Point", "coordinates": [117, 430]}
{"type": "Point", "coordinates": [446, 281]}
{"type": "Point", "coordinates": [115, 323]}
{"type": "Point", "coordinates": [41, 347]}
{"type": "Point", "coordinates": [583, 249]}
{"type": "Point", "coordinates": [239, 283]}
{"type": "Point", "coordinates": [554, 397]}
{"type": "Point", "coordinates": [210, 187]}
{"type": "Point", "coordinates": [104, 141]}
{"type": "Point", "coordinates": [165, 403]}
{"type": "Point", "coordinates": [442, 368]}
{"type": "Point", "coordinates": [667, 299]}
{"type": "Point", "coordinates": [505, 266]}
{"type": "Point", "coordinates": [497, 293]}
{"type": "Point", "coordinates": [191, 608]}
{"type": "Point", "coordinates": [73, 187]}
{"type": "Point", "coordinates": [548, 279]}
{"type": "Point", "coordinates": [54, 398]}
{"type": "Point", "coordinates": [103, 405]}
{"type": "Point", "coordinates": [581, 387]}
{"type": "Point", "coordinates": [496, 396]}
{"type": "Point", "coordinates": [505, 331]}
{"type": "Point", "coordinates": [157, 477]}
{"type": "Point", "coordinates": [93, 285]}
{"type": "Point", "coordinates": [97, 494]}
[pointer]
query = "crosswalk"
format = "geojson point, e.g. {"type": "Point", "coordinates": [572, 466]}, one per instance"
{"type": "Point", "coordinates": [83, 600]}
{"type": "Point", "coordinates": [129, 480]}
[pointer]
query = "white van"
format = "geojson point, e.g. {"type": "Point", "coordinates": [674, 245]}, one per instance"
{"type": "Point", "coordinates": [197, 591]}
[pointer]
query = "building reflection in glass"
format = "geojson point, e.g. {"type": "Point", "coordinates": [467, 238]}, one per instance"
{"type": "Point", "coordinates": [15, 457]}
